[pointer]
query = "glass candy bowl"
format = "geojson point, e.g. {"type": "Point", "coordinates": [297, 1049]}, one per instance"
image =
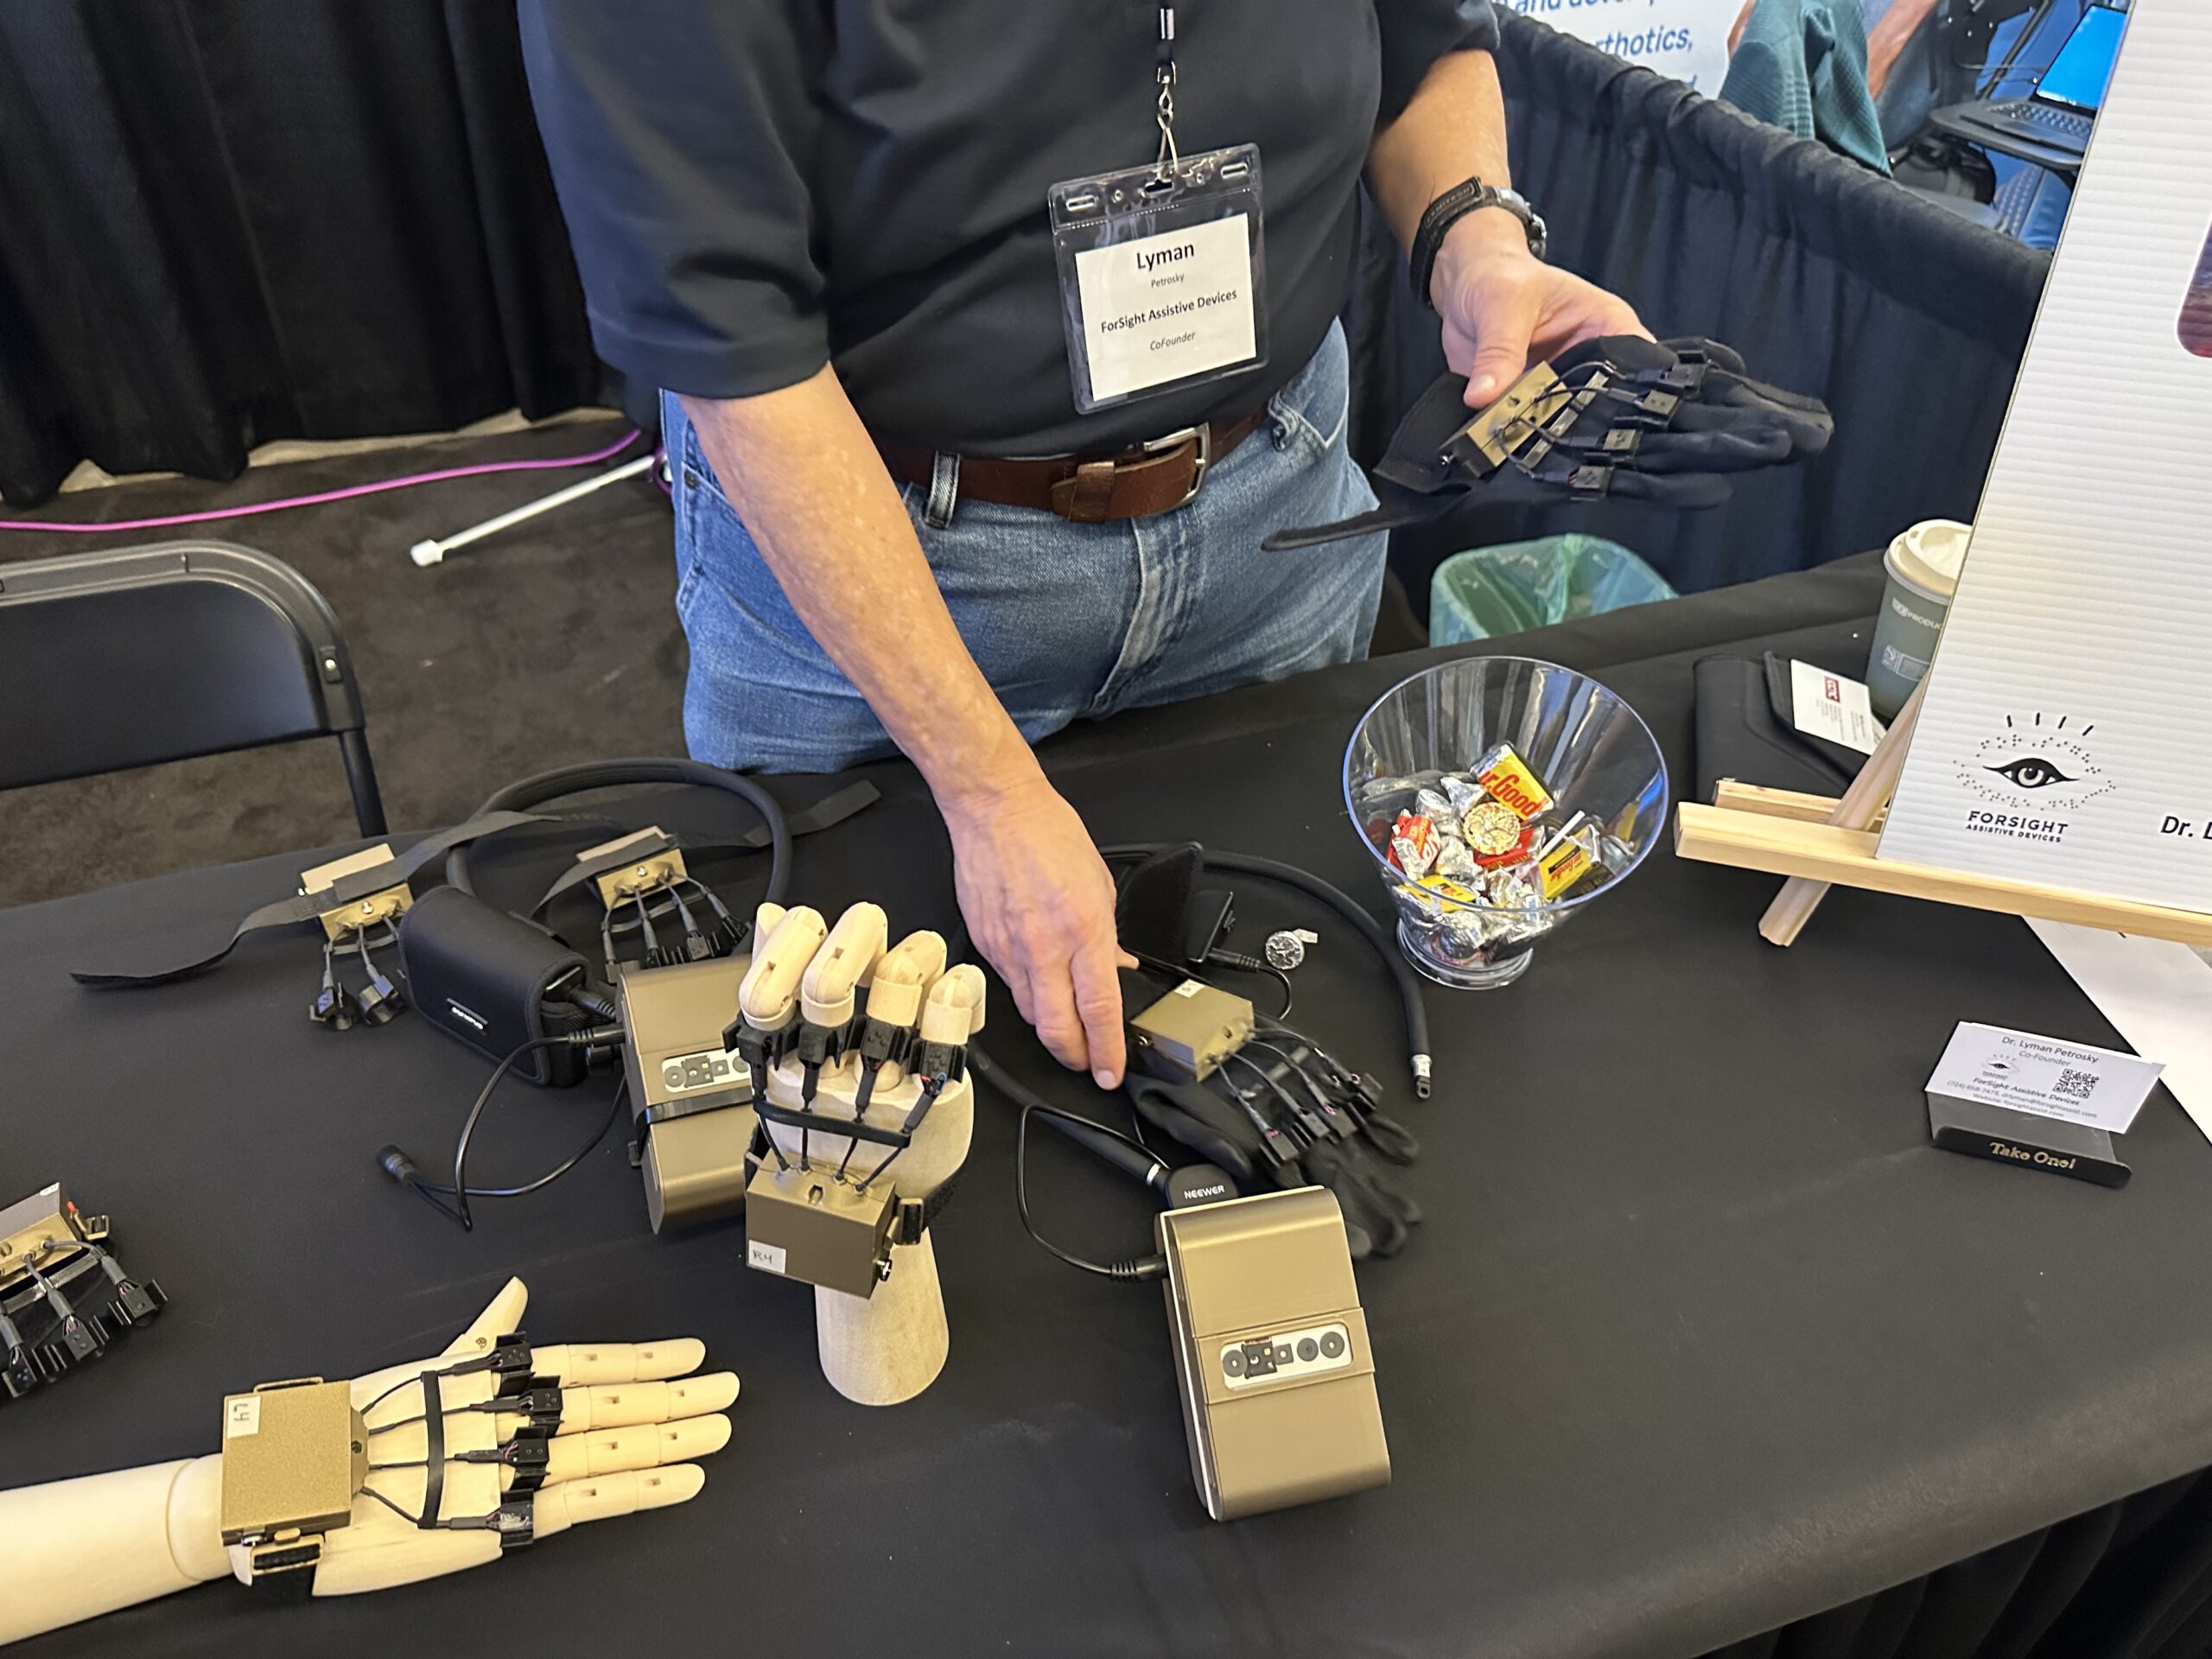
{"type": "Point", "coordinates": [1588, 748]}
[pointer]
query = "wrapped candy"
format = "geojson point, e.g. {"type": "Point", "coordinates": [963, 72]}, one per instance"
{"type": "Point", "coordinates": [1568, 856]}
{"type": "Point", "coordinates": [1495, 833]}
{"type": "Point", "coordinates": [1455, 861]}
{"type": "Point", "coordinates": [1507, 778]}
{"type": "Point", "coordinates": [1462, 793]}
{"type": "Point", "coordinates": [1447, 897]}
{"type": "Point", "coordinates": [1435, 806]}
{"type": "Point", "coordinates": [1413, 844]}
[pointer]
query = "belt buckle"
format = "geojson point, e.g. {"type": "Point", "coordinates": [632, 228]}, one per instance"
{"type": "Point", "coordinates": [1202, 436]}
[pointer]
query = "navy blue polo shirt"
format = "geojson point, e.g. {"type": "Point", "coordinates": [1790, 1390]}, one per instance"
{"type": "Point", "coordinates": [756, 187]}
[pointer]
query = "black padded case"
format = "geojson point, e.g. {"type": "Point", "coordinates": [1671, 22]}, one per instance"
{"type": "Point", "coordinates": [485, 977]}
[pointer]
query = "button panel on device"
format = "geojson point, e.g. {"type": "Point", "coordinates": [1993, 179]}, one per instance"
{"type": "Point", "coordinates": [708, 1069]}
{"type": "Point", "coordinates": [1290, 1354]}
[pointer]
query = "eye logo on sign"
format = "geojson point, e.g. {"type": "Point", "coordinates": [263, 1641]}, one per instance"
{"type": "Point", "coordinates": [2032, 774]}
{"type": "Point", "coordinates": [2039, 759]}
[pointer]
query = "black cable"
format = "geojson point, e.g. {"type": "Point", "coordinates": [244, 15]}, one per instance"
{"type": "Point", "coordinates": [1150, 1266]}
{"type": "Point", "coordinates": [1363, 923]}
{"type": "Point", "coordinates": [468, 1126]}
{"type": "Point", "coordinates": [411, 1519]}
{"type": "Point", "coordinates": [1312, 1082]}
{"type": "Point", "coordinates": [397, 1164]}
{"type": "Point", "coordinates": [1254, 965]}
{"type": "Point", "coordinates": [403, 1383]}
{"type": "Point", "coordinates": [528, 792]}
{"type": "Point", "coordinates": [613, 1115]}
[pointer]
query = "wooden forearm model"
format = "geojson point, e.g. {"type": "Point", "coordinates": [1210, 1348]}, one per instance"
{"type": "Point", "coordinates": [332, 1489]}
{"type": "Point", "coordinates": [866, 1113]}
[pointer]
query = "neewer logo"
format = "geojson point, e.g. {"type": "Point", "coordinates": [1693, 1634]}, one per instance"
{"type": "Point", "coordinates": [2040, 769]}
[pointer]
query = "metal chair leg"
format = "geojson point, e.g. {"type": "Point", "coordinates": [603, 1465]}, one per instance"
{"type": "Point", "coordinates": [361, 779]}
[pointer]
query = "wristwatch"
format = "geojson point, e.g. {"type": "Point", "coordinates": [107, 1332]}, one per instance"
{"type": "Point", "coordinates": [1455, 205]}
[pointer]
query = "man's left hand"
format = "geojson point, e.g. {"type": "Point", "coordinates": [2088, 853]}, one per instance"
{"type": "Point", "coordinates": [1504, 308]}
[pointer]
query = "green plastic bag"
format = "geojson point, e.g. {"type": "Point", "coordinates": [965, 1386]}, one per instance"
{"type": "Point", "coordinates": [1493, 590]}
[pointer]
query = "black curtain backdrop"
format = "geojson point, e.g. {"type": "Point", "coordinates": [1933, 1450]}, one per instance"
{"type": "Point", "coordinates": [1909, 320]}
{"type": "Point", "coordinates": [227, 222]}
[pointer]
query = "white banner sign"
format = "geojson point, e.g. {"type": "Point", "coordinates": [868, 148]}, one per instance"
{"type": "Point", "coordinates": [2066, 738]}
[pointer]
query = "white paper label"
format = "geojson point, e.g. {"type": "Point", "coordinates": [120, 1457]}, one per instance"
{"type": "Point", "coordinates": [1166, 307]}
{"type": "Point", "coordinates": [769, 1258]}
{"type": "Point", "coordinates": [2042, 1075]}
{"type": "Point", "coordinates": [242, 1418]}
{"type": "Point", "coordinates": [1828, 705]}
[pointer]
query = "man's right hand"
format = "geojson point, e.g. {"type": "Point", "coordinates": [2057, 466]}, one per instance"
{"type": "Point", "coordinates": [805, 477]}
{"type": "Point", "coordinates": [1040, 906]}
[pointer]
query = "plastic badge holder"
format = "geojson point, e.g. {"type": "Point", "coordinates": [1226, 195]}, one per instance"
{"type": "Point", "coordinates": [1163, 284]}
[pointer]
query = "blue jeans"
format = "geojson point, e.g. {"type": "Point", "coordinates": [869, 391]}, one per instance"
{"type": "Point", "coordinates": [1067, 620]}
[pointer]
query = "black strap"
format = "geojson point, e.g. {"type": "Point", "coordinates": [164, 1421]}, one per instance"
{"type": "Point", "coordinates": [285, 1572]}
{"type": "Point", "coordinates": [434, 1455]}
{"type": "Point", "coordinates": [914, 1218]}
{"type": "Point", "coordinates": [307, 906]}
{"type": "Point", "coordinates": [833, 809]}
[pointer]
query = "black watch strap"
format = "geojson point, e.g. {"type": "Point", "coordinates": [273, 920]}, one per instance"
{"type": "Point", "coordinates": [1448, 210]}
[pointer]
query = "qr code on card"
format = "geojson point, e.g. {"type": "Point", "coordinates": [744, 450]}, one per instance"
{"type": "Point", "coordinates": [2075, 1086]}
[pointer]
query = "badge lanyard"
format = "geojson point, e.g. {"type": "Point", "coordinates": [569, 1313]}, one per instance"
{"type": "Point", "coordinates": [1162, 279]}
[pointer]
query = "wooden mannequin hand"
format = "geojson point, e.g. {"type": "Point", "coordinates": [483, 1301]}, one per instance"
{"type": "Point", "coordinates": [910, 986]}
{"type": "Point", "coordinates": [631, 1420]}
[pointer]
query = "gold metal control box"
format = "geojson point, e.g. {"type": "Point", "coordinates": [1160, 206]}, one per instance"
{"type": "Point", "coordinates": [294, 1454]}
{"type": "Point", "coordinates": [1192, 1029]}
{"type": "Point", "coordinates": [807, 1224]}
{"type": "Point", "coordinates": [1271, 1353]}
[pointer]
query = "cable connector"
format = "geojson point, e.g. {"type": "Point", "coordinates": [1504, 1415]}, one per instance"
{"type": "Point", "coordinates": [761, 1050]}
{"type": "Point", "coordinates": [1420, 1077]}
{"type": "Point", "coordinates": [378, 1001]}
{"type": "Point", "coordinates": [938, 1065]}
{"type": "Point", "coordinates": [19, 1367]}
{"type": "Point", "coordinates": [82, 1338]}
{"type": "Point", "coordinates": [134, 1302]}
{"type": "Point", "coordinates": [817, 1046]}
{"type": "Point", "coordinates": [880, 1045]}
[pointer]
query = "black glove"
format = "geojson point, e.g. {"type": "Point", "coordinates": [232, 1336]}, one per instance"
{"type": "Point", "coordinates": [1662, 423]}
{"type": "Point", "coordinates": [1194, 1116]}
{"type": "Point", "coordinates": [1377, 1216]}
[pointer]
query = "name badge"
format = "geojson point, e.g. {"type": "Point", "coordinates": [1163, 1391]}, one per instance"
{"type": "Point", "coordinates": [1162, 277]}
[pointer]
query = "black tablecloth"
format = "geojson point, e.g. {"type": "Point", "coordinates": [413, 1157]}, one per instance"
{"type": "Point", "coordinates": [1700, 1337]}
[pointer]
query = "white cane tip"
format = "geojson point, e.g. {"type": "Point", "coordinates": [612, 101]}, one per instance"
{"type": "Point", "coordinates": [426, 553]}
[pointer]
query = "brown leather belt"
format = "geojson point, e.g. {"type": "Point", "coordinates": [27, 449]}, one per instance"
{"type": "Point", "coordinates": [1157, 477]}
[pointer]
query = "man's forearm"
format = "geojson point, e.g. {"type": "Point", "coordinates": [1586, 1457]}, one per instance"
{"type": "Point", "coordinates": [1453, 129]}
{"type": "Point", "coordinates": [800, 470]}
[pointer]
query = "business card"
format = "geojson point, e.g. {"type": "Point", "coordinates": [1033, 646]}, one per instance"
{"type": "Point", "coordinates": [1831, 706]}
{"type": "Point", "coordinates": [2022, 1072]}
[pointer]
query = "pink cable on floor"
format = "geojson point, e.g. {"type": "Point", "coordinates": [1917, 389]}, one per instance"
{"type": "Point", "coordinates": [439, 477]}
